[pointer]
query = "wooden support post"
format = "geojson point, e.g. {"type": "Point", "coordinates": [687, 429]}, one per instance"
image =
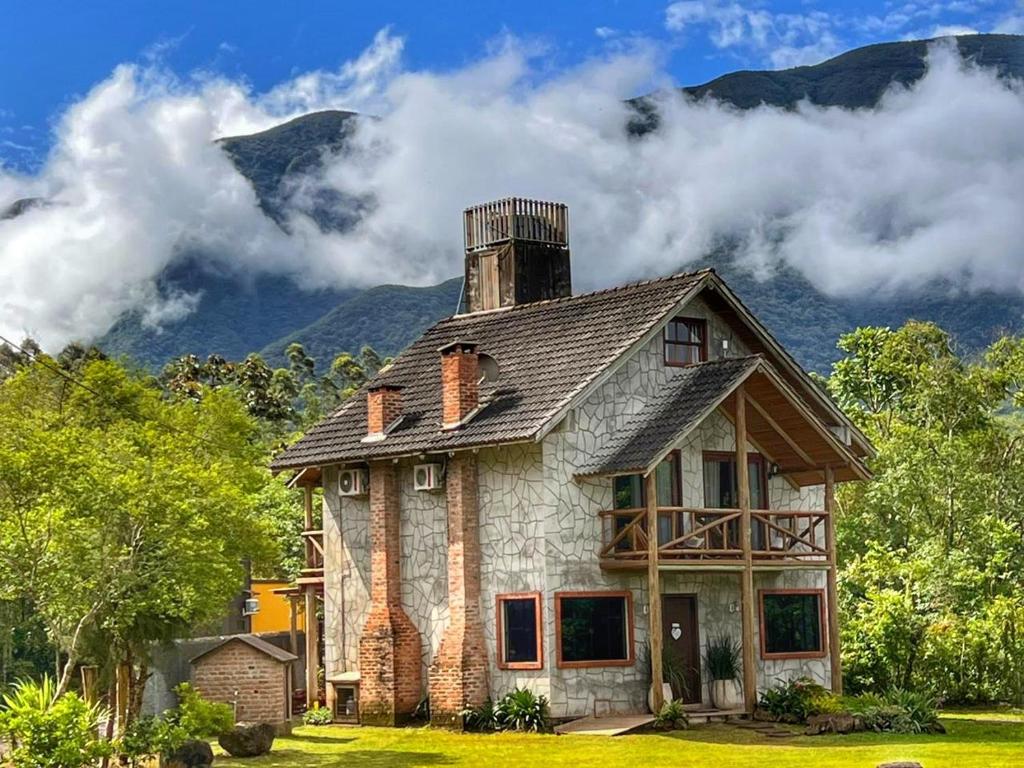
{"type": "Point", "coordinates": [89, 678]}
{"type": "Point", "coordinates": [293, 624]}
{"type": "Point", "coordinates": [833, 592]}
{"type": "Point", "coordinates": [654, 591]}
{"type": "Point", "coordinates": [311, 623]}
{"type": "Point", "coordinates": [747, 576]}
{"type": "Point", "coordinates": [122, 694]}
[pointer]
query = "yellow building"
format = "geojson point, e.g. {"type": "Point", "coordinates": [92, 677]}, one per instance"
{"type": "Point", "coordinates": [274, 614]}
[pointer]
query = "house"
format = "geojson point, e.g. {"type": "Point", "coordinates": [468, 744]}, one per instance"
{"type": "Point", "coordinates": [545, 484]}
{"type": "Point", "coordinates": [251, 675]}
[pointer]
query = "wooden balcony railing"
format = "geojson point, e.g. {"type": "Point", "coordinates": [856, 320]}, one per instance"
{"type": "Point", "coordinates": [313, 568]}
{"type": "Point", "coordinates": [688, 535]}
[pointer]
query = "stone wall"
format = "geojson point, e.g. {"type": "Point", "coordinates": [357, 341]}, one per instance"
{"type": "Point", "coordinates": [251, 681]}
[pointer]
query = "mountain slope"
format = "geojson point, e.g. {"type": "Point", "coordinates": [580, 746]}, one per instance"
{"type": "Point", "coordinates": [388, 318]}
{"type": "Point", "coordinates": [860, 77]}
{"type": "Point", "coordinates": [235, 316]}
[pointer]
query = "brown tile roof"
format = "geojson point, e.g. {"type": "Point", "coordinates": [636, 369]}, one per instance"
{"type": "Point", "coordinates": [271, 650]}
{"type": "Point", "coordinates": [680, 405]}
{"type": "Point", "coordinates": [547, 352]}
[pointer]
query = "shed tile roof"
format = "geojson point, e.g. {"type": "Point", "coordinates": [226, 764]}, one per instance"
{"type": "Point", "coordinates": [547, 352]}
{"type": "Point", "coordinates": [271, 650]}
{"type": "Point", "coordinates": [680, 405]}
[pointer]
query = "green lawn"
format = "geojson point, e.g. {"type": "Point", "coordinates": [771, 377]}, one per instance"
{"type": "Point", "coordinates": [969, 744]}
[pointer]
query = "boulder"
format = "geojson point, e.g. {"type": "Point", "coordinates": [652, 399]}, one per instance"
{"type": "Point", "coordinates": [248, 739]}
{"type": "Point", "coordinates": [191, 754]}
{"type": "Point", "coordinates": [841, 723]}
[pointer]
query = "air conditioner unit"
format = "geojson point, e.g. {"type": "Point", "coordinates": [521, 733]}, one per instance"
{"type": "Point", "coordinates": [427, 477]}
{"type": "Point", "coordinates": [352, 482]}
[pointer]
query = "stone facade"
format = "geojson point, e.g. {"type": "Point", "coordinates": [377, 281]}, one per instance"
{"type": "Point", "coordinates": [539, 531]}
{"type": "Point", "coordinates": [255, 684]}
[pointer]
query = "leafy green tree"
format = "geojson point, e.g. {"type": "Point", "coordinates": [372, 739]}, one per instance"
{"type": "Point", "coordinates": [932, 551]}
{"type": "Point", "coordinates": [124, 516]}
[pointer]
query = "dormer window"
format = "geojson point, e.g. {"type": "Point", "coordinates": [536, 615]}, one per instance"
{"type": "Point", "coordinates": [686, 341]}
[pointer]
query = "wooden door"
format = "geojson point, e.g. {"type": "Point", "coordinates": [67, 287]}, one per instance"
{"type": "Point", "coordinates": [681, 641]}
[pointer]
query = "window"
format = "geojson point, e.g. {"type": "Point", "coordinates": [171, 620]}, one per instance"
{"type": "Point", "coordinates": [791, 622]}
{"type": "Point", "coordinates": [519, 632]}
{"type": "Point", "coordinates": [629, 494]}
{"type": "Point", "coordinates": [594, 629]}
{"type": "Point", "coordinates": [720, 492]}
{"type": "Point", "coordinates": [686, 341]}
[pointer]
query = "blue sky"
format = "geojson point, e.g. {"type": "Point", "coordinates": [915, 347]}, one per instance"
{"type": "Point", "coordinates": [52, 53]}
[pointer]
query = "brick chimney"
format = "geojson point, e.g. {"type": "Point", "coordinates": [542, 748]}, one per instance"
{"type": "Point", "coordinates": [460, 382]}
{"type": "Point", "coordinates": [383, 408]}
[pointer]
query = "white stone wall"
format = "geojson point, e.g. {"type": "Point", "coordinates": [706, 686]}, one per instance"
{"type": "Point", "coordinates": [423, 530]}
{"type": "Point", "coordinates": [346, 523]}
{"type": "Point", "coordinates": [512, 548]}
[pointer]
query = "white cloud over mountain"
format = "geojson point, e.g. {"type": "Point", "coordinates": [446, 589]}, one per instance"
{"type": "Point", "coordinates": [928, 185]}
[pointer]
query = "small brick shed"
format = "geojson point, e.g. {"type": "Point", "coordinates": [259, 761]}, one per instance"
{"type": "Point", "coordinates": [251, 674]}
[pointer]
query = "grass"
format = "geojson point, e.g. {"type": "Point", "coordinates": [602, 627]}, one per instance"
{"type": "Point", "coordinates": [970, 743]}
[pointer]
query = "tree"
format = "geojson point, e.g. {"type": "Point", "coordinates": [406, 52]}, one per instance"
{"type": "Point", "coordinates": [932, 551]}
{"type": "Point", "coordinates": [124, 516]}
{"type": "Point", "coordinates": [283, 400]}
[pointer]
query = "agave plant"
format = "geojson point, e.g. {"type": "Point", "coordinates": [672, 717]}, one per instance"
{"type": "Point", "coordinates": [722, 658]}
{"type": "Point", "coordinates": [522, 710]}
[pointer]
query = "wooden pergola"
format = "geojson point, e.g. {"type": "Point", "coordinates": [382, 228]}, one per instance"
{"type": "Point", "coordinates": [309, 586]}
{"type": "Point", "coordinates": [770, 417]}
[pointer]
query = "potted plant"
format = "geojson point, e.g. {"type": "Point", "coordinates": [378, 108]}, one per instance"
{"type": "Point", "coordinates": [673, 673]}
{"type": "Point", "coordinates": [723, 666]}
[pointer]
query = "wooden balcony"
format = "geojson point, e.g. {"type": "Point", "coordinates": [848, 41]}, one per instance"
{"type": "Point", "coordinates": [313, 570]}
{"type": "Point", "coordinates": [710, 538]}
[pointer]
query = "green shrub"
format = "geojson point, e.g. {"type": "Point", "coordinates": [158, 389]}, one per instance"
{"type": "Point", "coordinates": [518, 710]}
{"type": "Point", "coordinates": [42, 733]}
{"type": "Point", "coordinates": [199, 718]}
{"type": "Point", "coordinates": [672, 716]}
{"type": "Point", "coordinates": [896, 711]}
{"type": "Point", "coordinates": [673, 669]}
{"type": "Point", "coordinates": [482, 718]}
{"type": "Point", "coordinates": [317, 716]}
{"type": "Point", "coordinates": [521, 710]}
{"type": "Point", "coordinates": [193, 718]}
{"type": "Point", "coordinates": [722, 658]}
{"type": "Point", "coordinates": [796, 700]}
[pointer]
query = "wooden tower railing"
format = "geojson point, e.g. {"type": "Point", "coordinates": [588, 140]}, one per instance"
{"type": "Point", "coordinates": [516, 218]}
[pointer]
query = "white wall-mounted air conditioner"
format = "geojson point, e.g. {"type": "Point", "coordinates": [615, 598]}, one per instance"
{"type": "Point", "coordinates": [428, 477]}
{"type": "Point", "coordinates": [352, 482]}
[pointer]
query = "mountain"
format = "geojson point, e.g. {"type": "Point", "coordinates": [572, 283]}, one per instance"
{"type": "Point", "coordinates": [235, 316]}
{"type": "Point", "coordinates": [857, 78]}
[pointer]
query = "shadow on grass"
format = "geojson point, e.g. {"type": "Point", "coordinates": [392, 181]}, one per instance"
{"type": "Point", "coordinates": [958, 732]}
{"type": "Point", "coordinates": [358, 758]}
{"type": "Point", "coordinates": [322, 738]}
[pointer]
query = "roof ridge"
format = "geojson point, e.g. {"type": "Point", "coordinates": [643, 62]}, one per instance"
{"type": "Point", "coordinates": [590, 294]}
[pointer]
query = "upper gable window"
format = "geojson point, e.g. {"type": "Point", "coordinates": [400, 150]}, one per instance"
{"type": "Point", "coordinates": [686, 341]}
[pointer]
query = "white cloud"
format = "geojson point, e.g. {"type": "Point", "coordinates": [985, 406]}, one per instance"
{"type": "Point", "coordinates": [1011, 25]}
{"type": "Point", "coordinates": [928, 185]}
{"type": "Point", "coordinates": [605, 32]}
{"type": "Point", "coordinates": [781, 39]}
